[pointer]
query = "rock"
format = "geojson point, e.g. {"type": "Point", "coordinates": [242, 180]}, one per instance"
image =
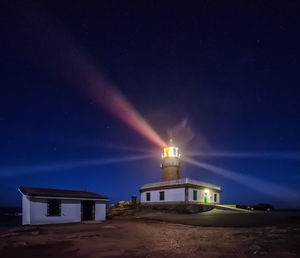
{"type": "Point", "coordinates": [9, 235]}
{"type": "Point", "coordinates": [88, 236]}
{"type": "Point", "coordinates": [255, 247]}
{"type": "Point", "coordinates": [72, 237]}
{"type": "Point", "coordinates": [24, 229]}
{"type": "Point", "coordinates": [35, 233]}
{"type": "Point", "coordinates": [19, 244]}
{"type": "Point", "coordinates": [109, 226]}
{"type": "Point", "coordinates": [14, 229]}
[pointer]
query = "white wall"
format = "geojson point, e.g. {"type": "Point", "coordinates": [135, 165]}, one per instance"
{"type": "Point", "coordinates": [70, 212]}
{"type": "Point", "coordinates": [100, 210]}
{"type": "Point", "coordinates": [171, 195]}
{"type": "Point", "coordinates": [178, 195]}
{"type": "Point", "coordinates": [35, 211]}
{"type": "Point", "coordinates": [200, 195]}
{"type": "Point", "coordinates": [25, 210]}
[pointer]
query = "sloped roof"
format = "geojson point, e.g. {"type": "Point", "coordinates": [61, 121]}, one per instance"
{"type": "Point", "coordinates": [47, 192]}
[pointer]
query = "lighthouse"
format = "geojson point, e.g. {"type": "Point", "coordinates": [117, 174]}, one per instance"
{"type": "Point", "coordinates": [170, 162]}
{"type": "Point", "coordinates": [175, 191]}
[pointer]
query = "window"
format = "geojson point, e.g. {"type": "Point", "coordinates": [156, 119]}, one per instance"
{"type": "Point", "coordinates": [215, 197]}
{"type": "Point", "coordinates": [161, 196]}
{"type": "Point", "coordinates": [148, 197]}
{"type": "Point", "coordinates": [195, 195]}
{"type": "Point", "coordinates": [53, 207]}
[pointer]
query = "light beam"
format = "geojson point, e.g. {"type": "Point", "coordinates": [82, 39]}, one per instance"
{"type": "Point", "coordinates": [259, 185]}
{"type": "Point", "coordinates": [115, 146]}
{"type": "Point", "coordinates": [251, 155]}
{"type": "Point", "coordinates": [63, 56]}
{"type": "Point", "coordinates": [11, 171]}
{"type": "Point", "coordinates": [116, 104]}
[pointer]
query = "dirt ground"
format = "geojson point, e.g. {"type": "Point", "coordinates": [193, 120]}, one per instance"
{"type": "Point", "coordinates": [149, 235]}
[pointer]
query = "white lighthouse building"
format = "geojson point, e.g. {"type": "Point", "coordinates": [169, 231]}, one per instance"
{"type": "Point", "coordinates": [173, 190]}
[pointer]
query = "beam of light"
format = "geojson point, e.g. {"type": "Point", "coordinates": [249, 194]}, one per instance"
{"type": "Point", "coordinates": [63, 57]}
{"type": "Point", "coordinates": [259, 185]}
{"type": "Point", "coordinates": [115, 146]}
{"type": "Point", "coordinates": [60, 166]}
{"type": "Point", "coordinates": [255, 155]}
{"type": "Point", "coordinates": [93, 83]}
{"type": "Point", "coordinates": [116, 104]}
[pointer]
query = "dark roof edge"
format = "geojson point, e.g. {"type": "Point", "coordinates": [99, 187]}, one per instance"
{"type": "Point", "coordinates": [63, 193]}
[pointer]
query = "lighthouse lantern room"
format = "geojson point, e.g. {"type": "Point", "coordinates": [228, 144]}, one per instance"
{"type": "Point", "coordinates": [170, 163]}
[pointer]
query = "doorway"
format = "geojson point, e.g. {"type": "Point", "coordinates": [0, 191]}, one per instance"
{"type": "Point", "coordinates": [205, 198]}
{"type": "Point", "coordinates": [87, 210]}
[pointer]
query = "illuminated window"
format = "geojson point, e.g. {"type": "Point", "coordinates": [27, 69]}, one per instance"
{"type": "Point", "coordinates": [195, 195]}
{"type": "Point", "coordinates": [215, 197]}
{"type": "Point", "coordinates": [148, 197]}
{"type": "Point", "coordinates": [161, 196]}
{"type": "Point", "coordinates": [53, 207]}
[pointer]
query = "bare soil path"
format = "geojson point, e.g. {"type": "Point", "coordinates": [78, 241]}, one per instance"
{"type": "Point", "coordinates": [137, 236]}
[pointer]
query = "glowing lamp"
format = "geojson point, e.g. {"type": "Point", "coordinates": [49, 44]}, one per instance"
{"type": "Point", "coordinates": [171, 151]}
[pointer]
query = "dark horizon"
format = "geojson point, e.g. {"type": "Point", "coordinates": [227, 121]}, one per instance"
{"type": "Point", "coordinates": [223, 77]}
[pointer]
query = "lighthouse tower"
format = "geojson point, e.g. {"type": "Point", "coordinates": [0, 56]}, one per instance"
{"type": "Point", "coordinates": [170, 162]}
{"type": "Point", "coordinates": [173, 192]}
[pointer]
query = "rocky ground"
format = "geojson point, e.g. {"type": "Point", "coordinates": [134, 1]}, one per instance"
{"type": "Point", "coordinates": [155, 234]}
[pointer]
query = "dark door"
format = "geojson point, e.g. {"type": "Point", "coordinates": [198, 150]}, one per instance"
{"type": "Point", "coordinates": [87, 210]}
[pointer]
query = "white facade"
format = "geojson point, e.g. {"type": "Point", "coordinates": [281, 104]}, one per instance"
{"type": "Point", "coordinates": [212, 196]}
{"type": "Point", "coordinates": [183, 190]}
{"type": "Point", "coordinates": [100, 210]}
{"type": "Point", "coordinates": [170, 195]}
{"type": "Point", "coordinates": [34, 210]}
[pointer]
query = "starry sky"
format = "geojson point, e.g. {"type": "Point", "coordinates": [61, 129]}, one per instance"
{"type": "Point", "coordinates": [226, 70]}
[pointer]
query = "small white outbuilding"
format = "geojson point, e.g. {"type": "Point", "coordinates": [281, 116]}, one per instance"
{"type": "Point", "coordinates": [51, 206]}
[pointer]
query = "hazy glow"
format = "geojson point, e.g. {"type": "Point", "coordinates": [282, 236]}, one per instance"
{"type": "Point", "coordinates": [102, 92]}
{"type": "Point", "coordinates": [9, 171]}
{"type": "Point", "coordinates": [75, 65]}
{"type": "Point", "coordinates": [170, 152]}
{"type": "Point", "coordinates": [271, 189]}
{"type": "Point", "coordinates": [115, 146]}
{"type": "Point", "coordinates": [117, 105]}
{"type": "Point", "coordinates": [258, 155]}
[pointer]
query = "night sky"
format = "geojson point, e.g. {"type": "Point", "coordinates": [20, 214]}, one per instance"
{"type": "Point", "coordinates": [227, 70]}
